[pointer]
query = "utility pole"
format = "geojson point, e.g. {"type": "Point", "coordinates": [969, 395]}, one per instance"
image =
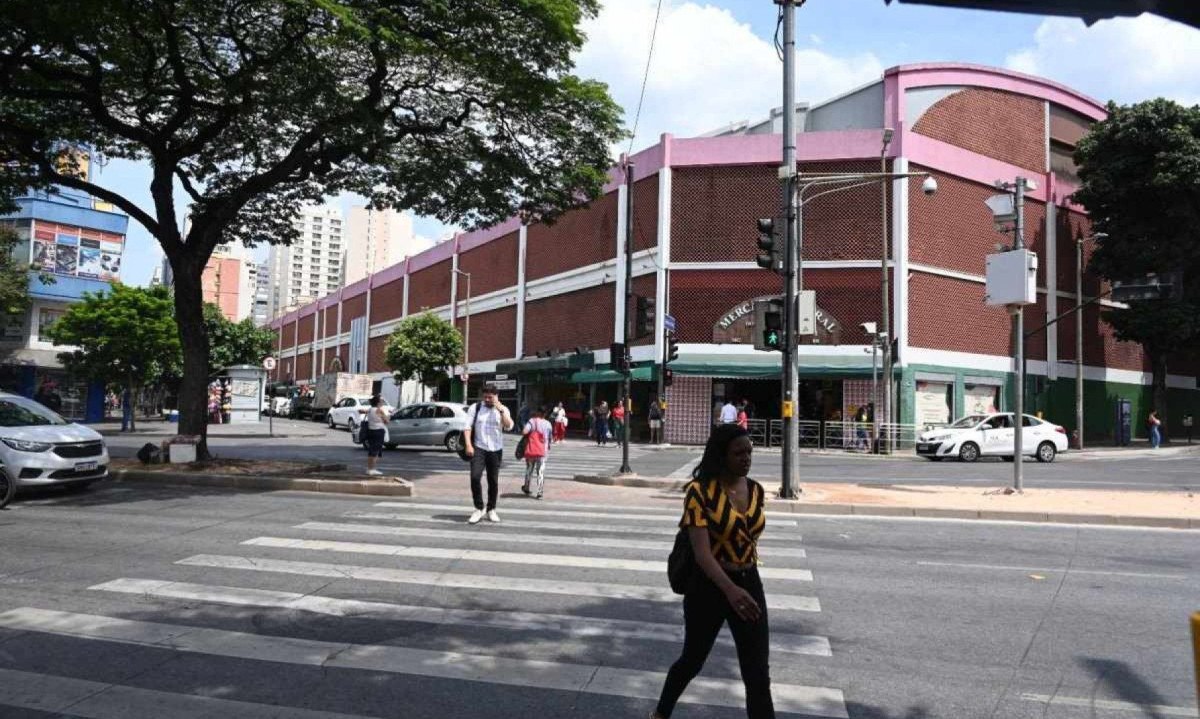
{"type": "Point", "coordinates": [885, 335]}
{"type": "Point", "coordinates": [1019, 321]}
{"type": "Point", "coordinates": [1079, 344]}
{"type": "Point", "coordinates": [791, 474]}
{"type": "Point", "coordinates": [627, 317]}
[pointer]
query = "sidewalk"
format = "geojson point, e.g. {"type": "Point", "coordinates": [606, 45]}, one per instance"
{"type": "Point", "coordinates": [152, 428]}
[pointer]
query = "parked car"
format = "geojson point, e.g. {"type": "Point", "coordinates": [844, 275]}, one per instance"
{"type": "Point", "coordinates": [426, 423]}
{"type": "Point", "coordinates": [38, 447]}
{"type": "Point", "coordinates": [347, 409]}
{"type": "Point", "coordinates": [985, 435]}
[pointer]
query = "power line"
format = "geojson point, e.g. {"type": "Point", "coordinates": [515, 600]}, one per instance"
{"type": "Point", "coordinates": [645, 76]}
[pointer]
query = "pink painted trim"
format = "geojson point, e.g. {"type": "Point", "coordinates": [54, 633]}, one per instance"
{"type": "Point", "coordinates": [767, 149]}
{"type": "Point", "coordinates": [326, 301]}
{"type": "Point", "coordinates": [938, 74]}
{"type": "Point", "coordinates": [471, 240]}
{"type": "Point", "coordinates": [944, 157]}
{"type": "Point", "coordinates": [390, 273]}
{"type": "Point", "coordinates": [356, 289]}
{"type": "Point", "coordinates": [432, 256]}
{"type": "Point", "coordinates": [306, 310]}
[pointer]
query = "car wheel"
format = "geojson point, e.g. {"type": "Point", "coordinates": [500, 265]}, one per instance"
{"type": "Point", "coordinates": [1046, 452]}
{"type": "Point", "coordinates": [969, 452]}
{"type": "Point", "coordinates": [1007, 458]}
{"type": "Point", "coordinates": [332, 424]}
{"type": "Point", "coordinates": [454, 441]}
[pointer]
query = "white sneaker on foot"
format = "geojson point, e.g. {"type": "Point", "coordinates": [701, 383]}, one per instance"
{"type": "Point", "coordinates": [492, 516]}
{"type": "Point", "coordinates": [374, 472]}
{"type": "Point", "coordinates": [475, 517]}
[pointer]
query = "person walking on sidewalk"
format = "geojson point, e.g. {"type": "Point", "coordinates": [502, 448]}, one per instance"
{"type": "Point", "coordinates": [558, 418]}
{"type": "Point", "coordinates": [723, 515]}
{"type": "Point", "coordinates": [1155, 425]}
{"type": "Point", "coordinates": [600, 423]}
{"type": "Point", "coordinates": [618, 422]}
{"type": "Point", "coordinates": [540, 434]}
{"type": "Point", "coordinates": [655, 420]}
{"type": "Point", "coordinates": [728, 412]}
{"type": "Point", "coordinates": [484, 444]}
{"type": "Point", "coordinates": [377, 420]}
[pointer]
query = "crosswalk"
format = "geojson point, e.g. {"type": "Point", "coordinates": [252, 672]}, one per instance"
{"type": "Point", "coordinates": [564, 461]}
{"type": "Point", "coordinates": [557, 600]}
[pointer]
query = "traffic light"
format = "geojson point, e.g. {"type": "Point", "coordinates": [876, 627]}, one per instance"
{"type": "Point", "coordinates": [672, 348]}
{"type": "Point", "coordinates": [668, 377]}
{"type": "Point", "coordinates": [768, 324]}
{"type": "Point", "coordinates": [643, 319]}
{"type": "Point", "coordinates": [618, 358]}
{"type": "Point", "coordinates": [770, 246]}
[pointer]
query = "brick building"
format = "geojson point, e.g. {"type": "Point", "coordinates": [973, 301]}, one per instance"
{"type": "Point", "coordinates": [545, 297]}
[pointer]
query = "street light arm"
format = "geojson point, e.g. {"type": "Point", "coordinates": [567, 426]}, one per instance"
{"type": "Point", "coordinates": [830, 191]}
{"type": "Point", "coordinates": [1068, 313]}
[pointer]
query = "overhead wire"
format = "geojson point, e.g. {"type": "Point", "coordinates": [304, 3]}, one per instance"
{"type": "Point", "coordinates": [637, 116]}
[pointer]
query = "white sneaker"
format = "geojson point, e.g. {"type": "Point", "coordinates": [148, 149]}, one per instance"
{"type": "Point", "coordinates": [475, 517]}
{"type": "Point", "coordinates": [492, 516]}
{"type": "Point", "coordinates": [374, 472]}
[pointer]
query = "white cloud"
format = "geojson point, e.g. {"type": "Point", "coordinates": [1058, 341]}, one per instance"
{"type": "Point", "coordinates": [709, 69]}
{"type": "Point", "coordinates": [1126, 59]}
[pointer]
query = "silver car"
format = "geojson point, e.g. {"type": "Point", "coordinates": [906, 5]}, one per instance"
{"type": "Point", "coordinates": [38, 447]}
{"type": "Point", "coordinates": [430, 424]}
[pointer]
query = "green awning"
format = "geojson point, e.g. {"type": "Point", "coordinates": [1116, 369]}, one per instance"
{"type": "Point", "coordinates": [769, 365]}
{"type": "Point", "coordinates": [546, 364]}
{"type": "Point", "coordinates": [640, 374]}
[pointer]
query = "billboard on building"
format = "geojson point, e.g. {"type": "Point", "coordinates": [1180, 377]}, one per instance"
{"type": "Point", "coordinates": [77, 252]}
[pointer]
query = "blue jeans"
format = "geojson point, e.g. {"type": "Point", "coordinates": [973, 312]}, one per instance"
{"type": "Point", "coordinates": [1155, 436]}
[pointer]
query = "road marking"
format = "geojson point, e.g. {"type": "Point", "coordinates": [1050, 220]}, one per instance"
{"type": "Point", "coordinates": [568, 514]}
{"type": "Point", "coordinates": [685, 472]}
{"type": "Point", "coordinates": [1109, 705]}
{"type": "Point", "coordinates": [484, 529]}
{"type": "Point", "coordinates": [1101, 572]}
{"type": "Point", "coordinates": [612, 681]}
{"type": "Point", "coordinates": [471, 581]}
{"type": "Point", "coordinates": [483, 555]}
{"type": "Point", "coordinates": [583, 627]}
{"type": "Point", "coordinates": [99, 700]}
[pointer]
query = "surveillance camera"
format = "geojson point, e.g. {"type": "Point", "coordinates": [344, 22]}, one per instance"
{"type": "Point", "coordinates": [929, 186]}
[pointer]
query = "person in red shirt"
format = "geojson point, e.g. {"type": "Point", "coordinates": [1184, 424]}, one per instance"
{"type": "Point", "coordinates": [540, 434]}
{"type": "Point", "coordinates": [618, 421]}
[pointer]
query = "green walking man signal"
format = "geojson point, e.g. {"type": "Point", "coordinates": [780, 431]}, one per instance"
{"type": "Point", "coordinates": [772, 339]}
{"type": "Point", "coordinates": [768, 324]}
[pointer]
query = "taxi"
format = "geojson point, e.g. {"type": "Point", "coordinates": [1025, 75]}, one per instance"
{"type": "Point", "coordinates": [992, 435]}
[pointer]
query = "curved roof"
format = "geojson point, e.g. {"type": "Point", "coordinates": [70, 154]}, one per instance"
{"type": "Point", "coordinates": [961, 73]}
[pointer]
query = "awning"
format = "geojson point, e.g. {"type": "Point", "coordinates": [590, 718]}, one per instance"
{"type": "Point", "coordinates": [547, 364]}
{"type": "Point", "coordinates": [639, 374]}
{"type": "Point", "coordinates": [32, 358]}
{"type": "Point", "coordinates": [770, 365]}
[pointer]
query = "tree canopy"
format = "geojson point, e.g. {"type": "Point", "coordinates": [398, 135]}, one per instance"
{"type": "Point", "coordinates": [422, 347]}
{"type": "Point", "coordinates": [14, 276]}
{"type": "Point", "coordinates": [232, 343]}
{"type": "Point", "coordinates": [465, 110]}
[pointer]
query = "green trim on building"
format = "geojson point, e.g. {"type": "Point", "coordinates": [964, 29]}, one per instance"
{"type": "Point", "coordinates": [770, 366]}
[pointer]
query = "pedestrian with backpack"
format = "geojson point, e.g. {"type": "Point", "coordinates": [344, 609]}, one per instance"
{"type": "Point", "coordinates": [483, 445]}
{"type": "Point", "coordinates": [538, 436]}
{"type": "Point", "coordinates": [723, 518]}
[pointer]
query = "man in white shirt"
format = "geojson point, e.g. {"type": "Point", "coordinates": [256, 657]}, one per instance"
{"type": "Point", "coordinates": [728, 413]}
{"type": "Point", "coordinates": [483, 442]}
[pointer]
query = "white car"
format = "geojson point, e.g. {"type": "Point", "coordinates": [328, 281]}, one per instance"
{"type": "Point", "coordinates": [38, 447]}
{"type": "Point", "coordinates": [349, 412]}
{"type": "Point", "coordinates": [987, 435]}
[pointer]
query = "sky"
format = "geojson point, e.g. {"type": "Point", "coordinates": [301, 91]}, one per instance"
{"type": "Point", "coordinates": [714, 63]}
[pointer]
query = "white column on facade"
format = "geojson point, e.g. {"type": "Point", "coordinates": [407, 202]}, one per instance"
{"type": "Point", "coordinates": [900, 262]}
{"type": "Point", "coordinates": [313, 369]}
{"type": "Point", "coordinates": [619, 301]}
{"type": "Point", "coordinates": [366, 359]}
{"type": "Point", "coordinates": [454, 297]}
{"type": "Point", "coordinates": [522, 243]}
{"type": "Point", "coordinates": [321, 340]}
{"type": "Point", "coordinates": [1051, 282]}
{"type": "Point", "coordinates": [337, 343]}
{"type": "Point", "coordinates": [663, 261]}
{"type": "Point", "coordinates": [404, 300]}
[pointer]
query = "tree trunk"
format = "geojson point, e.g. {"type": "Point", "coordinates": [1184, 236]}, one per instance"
{"type": "Point", "coordinates": [193, 387]}
{"type": "Point", "coordinates": [132, 403]}
{"type": "Point", "coordinates": [1158, 361]}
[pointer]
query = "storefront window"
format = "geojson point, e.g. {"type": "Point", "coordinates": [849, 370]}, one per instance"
{"type": "Point", "coordinates": [46, 319]}
{"type": "Point", "coordinates": [981, 398]}
{"type": "Point", "coordinates": [934, 403]}
{"type": "Point", "coordinates": [12, 328]}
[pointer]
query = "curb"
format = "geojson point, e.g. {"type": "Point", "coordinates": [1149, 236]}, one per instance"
{"type": "Point", "coordinates": [160, 435]}
{"type": "Point", "coordinates": [632, 481]}
{"type": "Point", "coordinates": [393, 487]}
{"type": "Point", "coordinates": [875, 510]}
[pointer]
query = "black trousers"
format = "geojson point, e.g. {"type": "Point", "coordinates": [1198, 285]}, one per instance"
{"type": "Point", "coordinates": [705, 610]}
{"type": "Point", "coordinates": [489, 461]}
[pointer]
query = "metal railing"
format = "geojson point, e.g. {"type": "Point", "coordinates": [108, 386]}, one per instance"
{"type": "Point", "coordinates": [830, 435]}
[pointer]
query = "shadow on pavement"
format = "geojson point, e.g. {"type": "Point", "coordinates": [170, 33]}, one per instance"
{"type": "Point", "coordinates": [1126, 684]}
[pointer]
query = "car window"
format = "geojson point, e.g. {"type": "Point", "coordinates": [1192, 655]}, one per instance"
{"type": "Point", "coordinates": [1031, 421]}
{"type": "Point", "coordinates": [428, 412]}
{"type": "Point", "coordinates": [1000, 421]}
{"type": "Point", "coordinates": [21, 412]}
{"type": "Point", "coordinates": [408, 412]}
{"type": "Point", "coordinates": [445, 412]}
{"type": "Point", "coordinates": [968, 421]}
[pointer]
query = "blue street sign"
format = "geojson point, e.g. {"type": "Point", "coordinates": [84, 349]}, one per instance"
{"type": "Point", "coordinates": [668, 323]}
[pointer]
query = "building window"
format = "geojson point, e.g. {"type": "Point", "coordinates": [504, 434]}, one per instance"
{"type": "Point", "coordinates": [46, 320]}
{"type": "Point", "coordinates": [13, 327]}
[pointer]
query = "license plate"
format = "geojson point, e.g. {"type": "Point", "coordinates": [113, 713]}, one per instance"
{"type": "Point", "coordinates": [85, 466]}
{"type": "Point", "coordinates": [922, 448]}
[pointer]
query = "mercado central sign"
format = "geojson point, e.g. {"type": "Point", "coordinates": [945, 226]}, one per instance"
{"type": "Point", "coordinates": [737, 325]}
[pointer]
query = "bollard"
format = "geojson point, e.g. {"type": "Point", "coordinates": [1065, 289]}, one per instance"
{"type": "Point", "coordinates": [1196, 650]}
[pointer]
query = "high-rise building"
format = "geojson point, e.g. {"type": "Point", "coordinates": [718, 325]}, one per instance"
{"type": "Point", "coordinates": [260, 310]}
{"type": "Point", "coordinates": [228, 280]}
{"type": "Point", "coordinates": [377, 239]}
{"type": "Point", "coordinates": [311, 267]}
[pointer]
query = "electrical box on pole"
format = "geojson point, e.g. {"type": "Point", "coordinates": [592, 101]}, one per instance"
{"type": "Point", "coordinates": [1011, 278]}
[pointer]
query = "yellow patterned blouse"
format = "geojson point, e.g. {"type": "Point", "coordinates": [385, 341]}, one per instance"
{"type": "Point", "coordinates": [732, 535]}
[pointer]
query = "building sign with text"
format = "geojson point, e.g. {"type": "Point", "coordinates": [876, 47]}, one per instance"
{"type": "Point", "coordinates": [737, 326]}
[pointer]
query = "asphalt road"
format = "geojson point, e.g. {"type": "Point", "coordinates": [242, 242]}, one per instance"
{"type": "Point", "coordinates": [582, 457]}
{"type": "Point", "coordinates": [127, 602]}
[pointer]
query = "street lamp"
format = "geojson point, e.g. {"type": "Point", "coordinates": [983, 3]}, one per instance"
{"type": "Point", "coordinates": [885, 305]}
{"type": "Point", "coordinates": [467, 339]}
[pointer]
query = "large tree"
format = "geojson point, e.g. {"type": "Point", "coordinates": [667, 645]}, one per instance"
{"type": "Point", "coordinates": [422, 348]}
{"type": "Point", "coordinates": [14, 276]}
{"type": "Point", "coordinates": [465, 110]}
{"type": "Point", "coordinates": [1139, 171]}
{"type": "Point", "coordinates": [126, 336]}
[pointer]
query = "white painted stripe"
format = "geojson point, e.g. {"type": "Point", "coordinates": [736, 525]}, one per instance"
{"type": "Point", "coordinates": [510, 671]}
{"type": "Point", "coordinates": [472, 581]}
{"type": "Point", "coordinates": [482, 555]}
{"type": "Point", "coordinates": [583, 627]}
{"type": "Point", "coordinates": [98, 700]}
{"type": "Point", "coordinates": [563, 526]}
{"type": "Point", "coordinates": [564, 515]}
{"type": "Point", "coordinates": [1115, 706]}
{"type": "Point", "coordinates": [1006, 567]}
{"type": "Point", "coordinates": [686, 470]}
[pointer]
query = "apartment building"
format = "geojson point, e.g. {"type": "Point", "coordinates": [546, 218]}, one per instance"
{"type": "Point", "coordinates": [377, 239]}
{"type": "Point", "coordinates": [312, 266]}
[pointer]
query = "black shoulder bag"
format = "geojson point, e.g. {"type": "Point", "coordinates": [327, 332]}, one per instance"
{"type": "Point", "coordinates": [681, 563]}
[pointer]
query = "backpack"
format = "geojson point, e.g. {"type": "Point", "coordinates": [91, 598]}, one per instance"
{"type": "Point", "coordinates": [681, 563]}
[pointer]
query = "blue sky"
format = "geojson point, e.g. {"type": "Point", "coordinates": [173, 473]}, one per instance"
{"type": "Point", "coordinates": [714, 63]}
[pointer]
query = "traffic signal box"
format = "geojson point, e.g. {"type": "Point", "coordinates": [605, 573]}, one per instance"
{"type": "Point", "coordinates": [768, 324]}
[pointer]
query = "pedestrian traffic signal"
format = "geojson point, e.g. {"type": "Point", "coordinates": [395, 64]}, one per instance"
{"type": "Point", "coordinates": [643, 322]}
{"type": "Point", "coordinates": [618, 357]}
{"type": "Point", "coordinates": [770, 246]}
{"type": "Point", "coordinates": [672, 348]}
{"type": "Point", "coordinates": [768, 324]}
{"type": "Point", "coordinates": [668, 377]}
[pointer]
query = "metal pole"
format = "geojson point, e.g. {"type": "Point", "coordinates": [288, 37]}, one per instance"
{"type": "Point", "coordinates": [626, 317]}
{"type": "Point", "coordinates": [1079, 344]}
{"type": "Point", "coordinates": [467, 339]}
{"type": "Point", "coordinates": [1019, 414]}
{"type": "Point", "coordinates": [885, 333]}
{"type": "Point", "coordinates": [791, 476]}
{"type": "Point", "coordinates": [875, 392]}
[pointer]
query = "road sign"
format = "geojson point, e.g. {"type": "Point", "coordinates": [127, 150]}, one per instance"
{"type": "Point", "coordinates": [668, 323]}
{"type": "Point", "coordinates": [268, 363]}
{"type": "Point", "coordinates": [505, 384]}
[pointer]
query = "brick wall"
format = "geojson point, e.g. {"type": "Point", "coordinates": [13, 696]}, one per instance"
{"type": "Point", "coordinates": [352, 309]}
{"type": "Point", "coordinates": [306, 329]}
{"type": "Point", "coordinates": [288, 335]}
{"type": "Point", "coordinates": [578, 318]}
{"type": "Point", "coordinates": [492, 266]}
{"type": "Point", "coordinates": [1001, 125]}
{"type": "Point", "coordinates": [580, 237]}
{"type": "Point", "coordinates": [949, 314]}
{"type": "Point", "coordinates": [493, 334]}
{"type": "Point", "coordinates": [329, 326]}
{"type": "Point", "coordinates": [645, 213]}
{"type": "Point", "coordinates": [387, 301]}
{"type": "Point", "coordinates": [429, 288]}
{"type": "Point", "coordinates": [303, 371]}
{"type": "Point", "coordinates": [376, 356]}
{"type": "Point", "coordinates": [689, 410]}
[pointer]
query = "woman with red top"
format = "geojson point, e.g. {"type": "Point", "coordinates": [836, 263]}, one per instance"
{"type": "Point", "coordinates": [618, 421]}
{"type": "Point", "coordinates": [723, 514]}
